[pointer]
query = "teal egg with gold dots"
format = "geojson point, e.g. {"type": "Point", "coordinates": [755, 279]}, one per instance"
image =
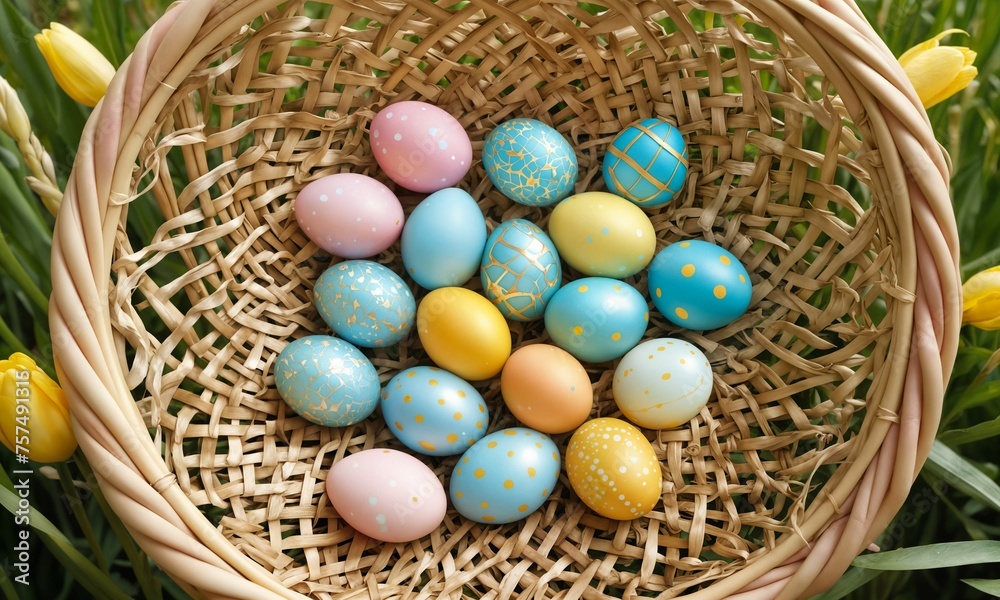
{"type": "Point", "coordinates": [646, 163]}
{"type": "Point", "coordinates": [699, 285]}
{"type": "Point", "coordinates": [596, 319]}
{"type": "Point", "coordinates": [433, 411]}
{"type": "Point", "coordinates": [505, 476]}
{"type": "Point", "coordinates": [326, 381]}
{"type": "Point", "coordinates": [530, 162]}
{"type": "Point", "coordinates": [520, 270]}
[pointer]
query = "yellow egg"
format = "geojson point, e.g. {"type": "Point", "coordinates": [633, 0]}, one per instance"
{"type": "Point", "coordinates": [613, 469]}
{"type": "Point", "coordinates": [601, 234]}
{"type": "Point", "coordinates": [463, 333]}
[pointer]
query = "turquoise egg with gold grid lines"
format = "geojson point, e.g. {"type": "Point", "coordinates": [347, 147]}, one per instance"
{"type": "Point", "coordinates": [520, 270]}
{"type": "Point", "coordinates": [646, 163]}
{"type": "Point", "coordinates": [530, 162]}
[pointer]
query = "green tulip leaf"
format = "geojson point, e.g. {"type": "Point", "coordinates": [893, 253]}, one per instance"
{"type": "Point", "coordinates": [986, 586]}
{"type": "Point", "coordinates": [963, 475]}
{"type": "Point", "coordinates": [932, 556]}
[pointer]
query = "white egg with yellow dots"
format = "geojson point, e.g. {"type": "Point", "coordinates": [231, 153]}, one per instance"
{"type": "Point", "coordinates": [662, 383]}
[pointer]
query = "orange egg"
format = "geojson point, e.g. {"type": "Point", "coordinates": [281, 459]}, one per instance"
{"type": "Point", "coordinates": [613, 468]}
{"type": "Point", "coordinates": [546, 388]}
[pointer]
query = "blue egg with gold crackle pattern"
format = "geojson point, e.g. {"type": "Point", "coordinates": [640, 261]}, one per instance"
{"type": "Point", "coordinates": [433, 411]}
{"type": "Point", "coordinates": [646, 163]}
{"type": "Point", "coordinates": [365, 303]}
{"type": "Point", "coordinates": [596, 319]}
{"type": "Point", "coordinates": [326, 381]}
{"type": "Point", "coordinates": [530, 162]}
{"type": "Point", "coordinates": [505, 476]}
{"type": "Point", "coordinates": [520, 270]}
{"type": "Point", "coordinates": [699, 285]}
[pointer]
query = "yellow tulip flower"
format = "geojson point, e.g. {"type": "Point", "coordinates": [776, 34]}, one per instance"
{"type": "Point", "coordinates": [34, 414]}
{"type": "Point", "coordinates": [981, 299]}
{"type": "Point", "coordinates": [79, 68]}
{"type": "Point", "coordinates": [937, 72]}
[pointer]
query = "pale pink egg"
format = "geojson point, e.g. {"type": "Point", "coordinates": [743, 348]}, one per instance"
{"type": "Point", "coordinates": [387, 495]}
{"type": "Point", "coordinates": [420, 146]}
{"type": "Point", "coordinates": [349, 215]}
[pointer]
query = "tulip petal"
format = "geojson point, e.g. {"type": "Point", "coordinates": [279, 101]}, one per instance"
{"type": "Point", "coordinates": [964, 78]}
{"type": "Point", "coordinates": [79, 68]}
{"type": "Point", "coordinates": [7, 409]}
{"type": "Point", "coordinates": [924, 46]}
{"type": "Point", "coordinates": [932, 71]}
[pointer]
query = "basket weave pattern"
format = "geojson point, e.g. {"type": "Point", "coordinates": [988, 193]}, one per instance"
{"type": "Point", "coordinates": [810, 160]}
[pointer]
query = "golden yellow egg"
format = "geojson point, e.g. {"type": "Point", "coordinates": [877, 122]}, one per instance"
{"type": "Point", "coordinates": [463, 333]}
{"type": "Point", "coordinates": [601, 234]}
{"type": "Point", "coordinates": [612, 468]}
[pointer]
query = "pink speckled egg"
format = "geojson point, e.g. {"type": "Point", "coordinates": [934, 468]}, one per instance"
{"type": "Point", "coordinates": [420, 146]}
{"type": "Point", "coordinates": [387, 495]}
{"type": "Point", "coordinates": [349, 215]}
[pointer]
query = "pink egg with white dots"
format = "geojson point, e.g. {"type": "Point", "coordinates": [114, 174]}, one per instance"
{"type": "Point", "coordinates": [420, 146]}
{"type": "Point", "coordinates": [349, 215]}
{"type": "Point", "coordinates": [386, 494]}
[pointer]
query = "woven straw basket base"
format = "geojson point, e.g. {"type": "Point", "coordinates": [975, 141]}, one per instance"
{"type": "Point", "coordinates": [811, 160]}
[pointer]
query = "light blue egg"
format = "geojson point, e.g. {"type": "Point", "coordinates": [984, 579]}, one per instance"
{"type": "Point", "coordinates": [596, 319]}
{"type": "Point", "coordinates": [365, 303]}
{"type": "Point", "coordinates": [433, 411]}
{"type": "Point", "coordinates": [505, 476]}
{"type": "Point", "coordinates": [530, 162]}
{"type": "Point", "coordinates": [699, 285]}
{"type": "Point", "coordinates": [520, 270]}
{"type": "Point", "coordinates": [443, 239]}
{"type": "Point", "coordinates": [646, 163]}
{"type": "Point", "coordinates": [326, 380]}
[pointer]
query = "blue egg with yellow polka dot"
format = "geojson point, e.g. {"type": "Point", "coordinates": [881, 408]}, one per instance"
{"type": "Point", "coordinates": [326, 380]}
{"type": "Point", "coordinates": [646, 163]}
{"type": "Point", "coordinates": [433, 411]}
{"type": "Point", "coordinates": [505, 476]}
{"type": "Point", "coordinates": [530, 162]}
{"type": "Point", "coordinates": [699, 285]}
{"type": "Point", "coordinates": [521, 270]}
{"type": "Point", "coordinates": [365, 303]}
{"type": "Point", "coordinates": [596, 319]}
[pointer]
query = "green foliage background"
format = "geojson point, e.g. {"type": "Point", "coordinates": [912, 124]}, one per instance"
{"type": "Point", "coordinates": [947, 528]}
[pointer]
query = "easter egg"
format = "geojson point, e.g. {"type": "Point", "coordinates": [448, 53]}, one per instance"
{"type": "Point", "coordinates": [387, 495]}
{"type": "Point", "coordinates": [613, 469]}
{"type": "Point", "coordinates": [530, 162]}
{"type": "Point", "coordinates": [349, 215]}
{"type": "Point", "coordinates": [520, 270]}
{"type": "Point", "coordinates": [326, 381]}
{"type": "Point", "coordinates": [443, 240]}
{"type": "Point", "coordinates": [546, 389]}
{"type": "Point", "coordinates": [434, 412]}
{"type": "Point", "coordinates": [662, 383]}
{"type": "Point", "coordinates": [463, 332]}
{"type": "Point", "coordinates": [365, 303]}
{"type": "Point", "coordinates": [699, 285]}
{"type": "Point", "coordinates": [505, 476]}
{"type": "Point", "coordinates": [646, 163]}
{"type": "Point", "coordinates": [596, 319]}
{"type": "Point", "coordinates": [420, 146]}
{"type": "Point", "coordinates": [601, 234]}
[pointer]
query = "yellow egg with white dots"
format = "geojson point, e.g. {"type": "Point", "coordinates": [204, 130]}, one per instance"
{"type": "Point", "coordinates": [662, 383]}
{"type": "Point", "coordinates": [613, 469]}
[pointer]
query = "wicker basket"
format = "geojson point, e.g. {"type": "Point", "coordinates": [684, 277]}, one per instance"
{"type": "Point", "coordinates": [811, 160]}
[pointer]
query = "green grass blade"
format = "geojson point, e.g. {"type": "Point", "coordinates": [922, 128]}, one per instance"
{"type": "Point", "coordinates": [986, 586]}
{"type": "Point", "coordinates": [84, 571]}
{"type": "Point", "coordinates": [109, 26]}
{"type": "Point", "coordinates": [932, 556]}
{"type": "Point", "coordinates": [981, 431]}
{"type": "Point", "coordinates": [963, 475]}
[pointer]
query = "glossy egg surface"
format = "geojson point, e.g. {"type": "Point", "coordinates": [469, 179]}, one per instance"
{"type": "Point", "coordinates": [520, 270]}
{"type": "Point", "coordinates": [365, 303]}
